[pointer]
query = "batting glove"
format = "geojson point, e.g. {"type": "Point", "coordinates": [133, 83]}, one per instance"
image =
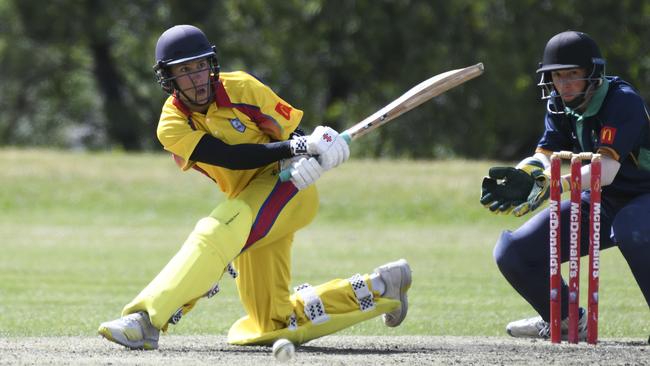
{"type": "Point", "coordinates": [325, 144]}
{"type": "Point", "coordinates": [305, 172]}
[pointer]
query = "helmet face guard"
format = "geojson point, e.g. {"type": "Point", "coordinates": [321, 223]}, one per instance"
{"type": "Point", "coordinates": [556, 104]}
{"type": "Point", "coordinates": [180, 44]}
{"type": "Point", "coordinates": [569, 50]}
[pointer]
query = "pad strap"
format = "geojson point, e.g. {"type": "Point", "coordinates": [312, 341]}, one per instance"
{"type": "Point", "coordinates": [232, 271]}
{"type": "Point", "coordinates": [176, 317]}
{"type": "Point", "coordinates": [314, 308]}
{"type": "Point", "coordinates": [293, 322]}
{"type": "Point", "coordinates": [362, 292]}
{"type": "Point", "coordinates": [213, 291]}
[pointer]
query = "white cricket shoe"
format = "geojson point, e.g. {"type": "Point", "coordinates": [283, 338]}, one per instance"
{"type": "Point", "coordinates": [536, 327]}
{"type": "Point", "coordinates": [134, 331]}
{"type": "Point", "coordinates": [397, 279]}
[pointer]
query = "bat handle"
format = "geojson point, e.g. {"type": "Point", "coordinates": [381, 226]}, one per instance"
{"type": "Point", "coordinates": [285, 175]}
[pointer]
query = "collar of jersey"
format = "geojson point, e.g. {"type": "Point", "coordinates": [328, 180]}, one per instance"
{"type": "Point", "coordinates": [220, 98]}
{"type": "Point", "coordinates": [594, 104]}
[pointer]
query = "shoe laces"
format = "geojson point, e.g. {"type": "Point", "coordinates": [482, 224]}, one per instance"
{"type": "Point", "coordinates": [545, 330]}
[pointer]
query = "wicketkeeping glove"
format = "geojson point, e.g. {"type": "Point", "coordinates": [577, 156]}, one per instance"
{"type": "Point", "coordinates": [507, 188]}
{"type": "Point", "coordinates": [539, 192]}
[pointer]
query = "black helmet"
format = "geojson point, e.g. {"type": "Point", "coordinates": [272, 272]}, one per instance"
{"type": "Point", "coordinates": [179, 44]}
{"type": "Point", "coordinates": [568, 50]}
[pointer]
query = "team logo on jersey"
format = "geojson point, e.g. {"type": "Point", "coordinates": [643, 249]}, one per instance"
{"type": "Point", "coordinates": [237, 125]}
{"type": "Point", "coordinates": [607, 135]}
{"type": "Point", "coordinates": [283, 110]}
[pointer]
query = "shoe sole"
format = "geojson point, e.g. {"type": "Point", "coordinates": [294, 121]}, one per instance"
{"type": "Point", "coordinates": [106, 333]}
{"type": "Point", "coordinates": [405, 285]}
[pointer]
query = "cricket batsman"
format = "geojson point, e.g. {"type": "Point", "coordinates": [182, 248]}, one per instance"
{"type": "Point", "coordinates": [239, 133]}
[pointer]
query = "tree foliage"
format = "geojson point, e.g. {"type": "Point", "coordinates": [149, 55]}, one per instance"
{"type": "Point", "coordinates": [77, 73]}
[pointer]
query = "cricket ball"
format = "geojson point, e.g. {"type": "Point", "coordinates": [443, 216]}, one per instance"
{"type": "Point", "coordinates": [283, 350]}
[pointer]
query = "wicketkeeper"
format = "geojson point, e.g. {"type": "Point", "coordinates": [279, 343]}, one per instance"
{"type": "Point", "coordinates": [237, 131]}
{"type": "Point", "coordinates": [586, 112]}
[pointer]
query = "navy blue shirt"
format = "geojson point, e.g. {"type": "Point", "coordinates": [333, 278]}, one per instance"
{"type": "Point", "coordinates": [619, 128]}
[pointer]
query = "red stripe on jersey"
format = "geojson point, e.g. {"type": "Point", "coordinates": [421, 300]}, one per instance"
{"type": "Point", "coordinates": [181, 106]}
{"type": "Point", "coordinates": [266, 123]}
{"type": "Point", "coordinates": [281, 194]}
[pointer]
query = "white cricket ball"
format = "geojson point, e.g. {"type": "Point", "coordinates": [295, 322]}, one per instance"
{"type": "Point", "coordinates": [283, 350]}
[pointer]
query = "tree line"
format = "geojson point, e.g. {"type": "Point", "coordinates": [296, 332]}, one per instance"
{"type": "Point", "coordinates": [77, 73]}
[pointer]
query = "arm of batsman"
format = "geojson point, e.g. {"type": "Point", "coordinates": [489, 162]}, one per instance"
{"type": "Point", "coordinates": [325, 144]}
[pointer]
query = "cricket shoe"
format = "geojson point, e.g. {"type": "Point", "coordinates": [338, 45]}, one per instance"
{"type": "Point", "coordinates": [134, 331]}
{"type": "Point", "coordinates": [536, 327]}
{"type": "Point", "coordinates": [397, 279]}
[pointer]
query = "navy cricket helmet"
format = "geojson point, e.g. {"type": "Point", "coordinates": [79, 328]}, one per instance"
{"type": "Point", "coordinates": [178, 44]}
{"type": "Point", "coordinates": [569, 50]}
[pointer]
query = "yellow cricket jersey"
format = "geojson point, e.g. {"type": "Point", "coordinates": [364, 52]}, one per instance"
{"type": "Point", "coordinates": [245, 111]}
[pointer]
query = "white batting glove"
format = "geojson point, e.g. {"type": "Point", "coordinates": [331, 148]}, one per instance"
{"type": "Point", "coordinates": [324, 143]}
{"type": "Point", "coordinates": [305, 172]}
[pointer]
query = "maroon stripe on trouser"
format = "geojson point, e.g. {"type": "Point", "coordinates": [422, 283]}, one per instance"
{"type": "Point", "coordinates": [270, 210]}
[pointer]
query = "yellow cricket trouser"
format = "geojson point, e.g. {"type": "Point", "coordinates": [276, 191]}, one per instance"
{"type": "Point", "coordinates": [256, 230]}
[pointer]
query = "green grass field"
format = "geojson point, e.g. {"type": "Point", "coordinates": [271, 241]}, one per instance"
{"type": "Point", "coordinates": [81, 234]}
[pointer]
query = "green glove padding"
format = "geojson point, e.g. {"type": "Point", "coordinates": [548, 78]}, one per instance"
{"type": "Point", "coordinates": [518, 190]}
{"type": "Point", "coordinates": [538, 195]}
{"type": "Point", "coordinates": [505, 188]}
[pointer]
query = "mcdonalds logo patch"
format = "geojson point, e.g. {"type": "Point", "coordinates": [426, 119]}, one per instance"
{"type": "Point", "coordinates": [607, 135]}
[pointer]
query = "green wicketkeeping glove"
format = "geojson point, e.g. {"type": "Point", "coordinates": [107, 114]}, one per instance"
{"type": "Point", "coordinates": [505, 188]}
{"type": "Point", "coordinates": [539, 191]}
{"type": "Point", "coordinates": [538, 195]}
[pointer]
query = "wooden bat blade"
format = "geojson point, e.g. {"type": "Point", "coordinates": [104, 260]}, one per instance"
{"type": "Point", "coordinates": [415, 96]}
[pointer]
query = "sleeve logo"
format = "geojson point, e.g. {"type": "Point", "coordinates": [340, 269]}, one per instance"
{"type": "Point", "coordinates": [283, 110]}
{"type": "Point", "coordinates": [607, 135]}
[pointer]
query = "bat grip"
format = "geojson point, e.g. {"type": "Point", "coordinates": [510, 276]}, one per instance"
{"type": "Point", "coordinates": [285, 175]}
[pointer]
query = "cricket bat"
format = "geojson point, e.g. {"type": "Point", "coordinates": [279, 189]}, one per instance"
{"type": "Point", "coordinates": [414, 97]}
